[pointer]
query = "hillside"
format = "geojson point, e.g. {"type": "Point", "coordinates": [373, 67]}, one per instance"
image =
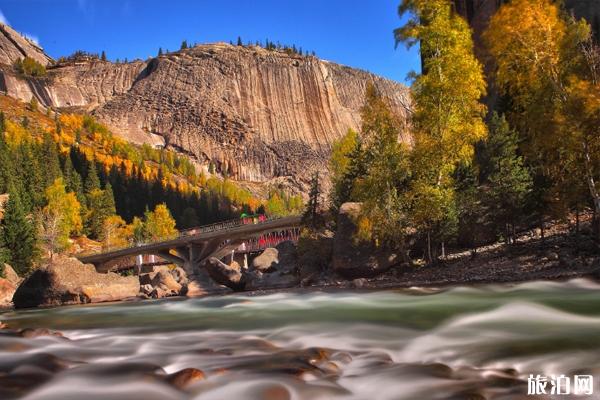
{"type": "Point", "coordinates": [257, 115]}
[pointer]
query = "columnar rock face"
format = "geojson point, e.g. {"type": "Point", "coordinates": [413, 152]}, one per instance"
{"type": "Point", "coordinates": [258, 115]}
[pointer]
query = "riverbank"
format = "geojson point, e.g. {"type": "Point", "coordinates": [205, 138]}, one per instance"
{"type": "Point", "coordinates": [560, 255]}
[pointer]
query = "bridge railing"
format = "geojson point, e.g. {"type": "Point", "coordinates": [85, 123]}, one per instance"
{"type": "Point", "coordinates": [215, 227]}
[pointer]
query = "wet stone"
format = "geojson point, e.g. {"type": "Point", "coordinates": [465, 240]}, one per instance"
{"type": "Point", "coordinates": [185, 377]}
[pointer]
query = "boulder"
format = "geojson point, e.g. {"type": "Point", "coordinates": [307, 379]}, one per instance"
{"type": "Point", "coordinates": [165, 280]}
{"type": "Point", "coordinates": [224, 274]}
{"type": "Point", "coordinates": [159, 293]}
{"type": "Point", "coordinates": [274, 268]}
{"type": "Point", "coordinates": [65, 280]}
{"type": "Point", "coordinates": [352, 259]}
{"type": "Point", "coordinates": [266, 261]}
{"type": "Point", "coordinates": [7, 290]}
{"type": "Point", "coordinates": [180, 275]}
{"type": "Point", "coordinates": [146, 289]}
{"type": "Point", "coordinates": [10, 275]}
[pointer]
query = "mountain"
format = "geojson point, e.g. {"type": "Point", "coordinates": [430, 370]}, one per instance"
{"type": "Point", "coordinates": [254, 115]}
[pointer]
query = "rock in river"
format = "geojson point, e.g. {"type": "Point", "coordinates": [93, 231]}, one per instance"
{"type": "Point", "coordinates": [228, 275]}
{"type": "Point", "coordinates": [65, 280]}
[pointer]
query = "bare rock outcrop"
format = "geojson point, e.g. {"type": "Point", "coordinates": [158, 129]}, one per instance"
{"type": "Point", "coordinates": [258, 115]}
{"type": "Point", "coordinates": [14, 46]}
{"type": "Point", "coordinates": [66, 280]}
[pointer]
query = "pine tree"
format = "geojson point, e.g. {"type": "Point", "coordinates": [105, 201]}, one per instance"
{"type": "Point", "coordinates": [509, 180]}
{"type": "Point", "coordinates": [160, 51]}
{"type": "Point", "coordinates": [184, 45]}
{"type": "Point", "coordinates": [18, 235]}
{"type": "Point", "coordinates": [103, 56]}
{"type": "Point", "coordinates": [49, 161]}
{"type": "Point", "coordinates": [92, 182]}
{"type": "Point", "coordinates": [311, 214]}
{"type": "Point", "coordinates": [239, 41]}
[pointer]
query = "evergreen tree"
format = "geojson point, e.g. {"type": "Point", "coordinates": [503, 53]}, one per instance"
{"type": "Point", "coordinates": [239, 41]}
{"type": "Point", "coordinates": [509, 180]}
{"type": "Point", "coordinates": [49, 162]}
{"type": "Point", "coordinates": [92, 182]}
{"type": "Point", "coordinates": [103, 56]}
{"type": "Point", "coordinates": [160, 51]}
{"type": "Point", "coordinates": [311, 214]}
{"type": "Point", "coordinates": [189, 218]}
{"type": "Point", "coordinates": [184, 45]}
{"type": "Point", "coordinates": [18, 235]}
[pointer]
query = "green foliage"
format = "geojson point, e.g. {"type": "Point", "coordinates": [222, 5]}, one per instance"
{"type": "Point", "coordinates": [310, 218]}
{"type": "Point", "coordinates": [18, 235]}
{"type": "Point", "coordinates": [184, 45]}
{"type": "Point", "coordinates": [509, 181]}
{"type": "Point", "coordinates": [30, 67]}
{"type": "Point", "coordinates": [33, 104]}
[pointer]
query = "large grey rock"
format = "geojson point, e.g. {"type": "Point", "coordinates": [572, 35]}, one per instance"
{"type": "Point", "coordinates": [352, 259]}
{"type": "Point", "coordinates": [224, 274]}
{"type": "Point", "coordinates": [274, 268]}
{"type": "Point", "coordinates": [67, 281]}
{"type": "Point", "coordinates": [164, 280]}
{"type": "Point", "coordinates": [266, 261]}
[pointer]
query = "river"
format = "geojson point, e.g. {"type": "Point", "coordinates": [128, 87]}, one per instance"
{"type": "Point", "coordinates": [459, 343]}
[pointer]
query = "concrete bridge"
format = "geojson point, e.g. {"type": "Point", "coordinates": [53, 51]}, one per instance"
{"type": "Point", "coordinates": [191, 248]}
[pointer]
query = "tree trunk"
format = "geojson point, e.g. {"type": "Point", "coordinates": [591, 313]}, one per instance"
{"type": "Point", "coordinates": [429, 246]}
{"type": "Point", "coordinates": [542, 229]}
{"type": "Point", "coordinates": [443, 251]}
{"type": "Point", "coordinates": [591, 183]}
{"type": "Point", "coordinates": [513, 233]}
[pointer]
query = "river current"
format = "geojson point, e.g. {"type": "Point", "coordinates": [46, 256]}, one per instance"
{"type": "Point", "coordinates": [460, 343]}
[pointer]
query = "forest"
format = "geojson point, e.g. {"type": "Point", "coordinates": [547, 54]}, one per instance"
{"type": "Point", "coordinates": [490, 154]}
{"type": "Point", "coordinates": [67, 176]}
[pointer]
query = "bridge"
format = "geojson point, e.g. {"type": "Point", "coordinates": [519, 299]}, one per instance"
{"type": "Point", "coordinates": [192, 247]}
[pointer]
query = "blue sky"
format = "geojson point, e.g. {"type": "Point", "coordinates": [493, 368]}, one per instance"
{"type": "Point", "coordinates": [357, 33]}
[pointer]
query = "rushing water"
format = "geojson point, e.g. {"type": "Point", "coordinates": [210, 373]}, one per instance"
{"type": "Point", "coordinates": [461, 343]}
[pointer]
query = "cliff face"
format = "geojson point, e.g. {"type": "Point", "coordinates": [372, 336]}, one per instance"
{"type": "Point", "coordinates": [258, 115]}
{"type": "Point", "coordinates": [13, 46]}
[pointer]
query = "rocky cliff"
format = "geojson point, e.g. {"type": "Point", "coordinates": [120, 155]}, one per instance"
{"type": "Point", "coordinates": [258, 115]}
{"type": "Point", "coordinates": [14, 46]}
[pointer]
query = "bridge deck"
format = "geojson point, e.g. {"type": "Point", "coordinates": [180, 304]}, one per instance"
{"type": "Point", "coordinates": [188, 239]}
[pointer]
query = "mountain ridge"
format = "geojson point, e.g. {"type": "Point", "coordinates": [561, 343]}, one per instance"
{"type": "Point", "coordinates": [252, 114]}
